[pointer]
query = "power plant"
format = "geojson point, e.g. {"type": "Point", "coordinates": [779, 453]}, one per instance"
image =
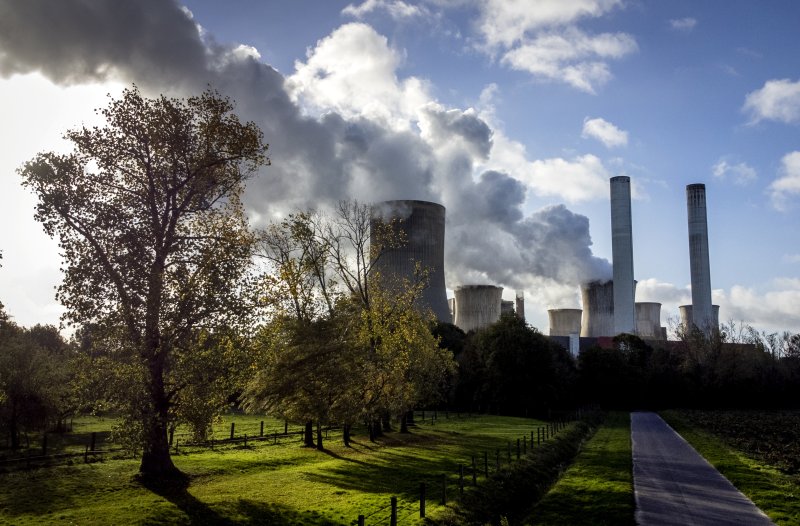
{"type": "Point", "coordinates": [648, 320]}
{"type": "Point", "coordinates": [598, 309]}
{"type": "Point", "coordinates": [702, 315]}
{"type": "Point", "coordinates": [622, 255]}
{"type": "Point", "coordinates": [477, 306]}
{"type": "Point", "coordinates": [609, 305]}
{"type": "Point", "coordinates": [687, 316]}
{"type": "Point", "coordinates": [421, 224]}
{"type": "Point", "coordinates": [564, 322]}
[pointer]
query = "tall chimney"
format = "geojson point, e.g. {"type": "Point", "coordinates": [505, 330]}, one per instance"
{"type": "Point", "coordinates": [702, 313]}
{"type": "Point", "coordinates": [622, 254]}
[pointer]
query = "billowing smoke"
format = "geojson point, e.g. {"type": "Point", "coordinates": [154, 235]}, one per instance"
{"type": "Point", "coordinates": [336, 130]}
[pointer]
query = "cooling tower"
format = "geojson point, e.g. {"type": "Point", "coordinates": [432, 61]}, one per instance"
{"type": "Point", "coordinates": [622, 254]}
{"type": "Point", "coordinates": [702, 315]}
{"type": "Point", "coordinates": [564, 322]}
{"type": "Point", "coordinates": [520, 304]}
{"type": "Point", "coordinates": [477, 306]}
{"type": "Point", "coordinates": [506, 307]}
{"type": "Point", "coordinates": [598, 309]}
{"type": "Point", "coordinates": [648, 320]}
{"type": "Point", "coordinates": [687, 319]}
{"type": "Point", "coordinates": [422, 226]}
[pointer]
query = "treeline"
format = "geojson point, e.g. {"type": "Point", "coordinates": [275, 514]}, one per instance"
{"type": "Point", "coordinates": [511, 368]}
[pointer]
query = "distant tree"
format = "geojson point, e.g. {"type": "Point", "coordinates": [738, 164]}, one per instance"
{"type": "Point", "coordinates": [155, 240]}
{"type": "Point", "coordinates": [34, 379]}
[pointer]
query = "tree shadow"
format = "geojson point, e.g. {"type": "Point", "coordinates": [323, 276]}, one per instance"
{"type": "Point", "coordinates": [176, 492]}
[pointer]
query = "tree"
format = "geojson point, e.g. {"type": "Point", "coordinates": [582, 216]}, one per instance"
{"type": "Point", "coordinates": [152, 230]}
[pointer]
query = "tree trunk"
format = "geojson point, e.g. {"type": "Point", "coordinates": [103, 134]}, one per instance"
{"type": "Point", "coordinates": [410, 417]}
{"type": "Point", "coordinates": [320, 447]}
{"type": "Point", "coordinates": [156, 460]}
{"type": "Point", "coordinates": [404, 423]}
{"type": "Point", "coordinates": [386, 423]}
{"type": "Point", "coordinates": [308, 435]}
{"type": "Point", "coordinates": [346, 435]}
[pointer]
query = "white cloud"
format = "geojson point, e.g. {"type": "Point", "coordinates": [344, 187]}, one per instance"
{"type": "Point", "coordinates": [778, 100]}
{"type": "Point", "coordinates": [774, 309]}
{"type": "Point", "coordinates": [545, 41]}
{"type": "Point", "coordinates": [741, 173]}
{"type": "Point", "coordinates": [507, 22]}
{"type": "Point", "coordinates": [397, 9]}
{"type": "Point", "coordinates": [605, 132]}
{"type": "Point", "coordinates": [570, 56]}
{"type": "Point", "coordinates": [788, 183]}
{"type": "Point", "coordinates": [352, 71]}
{"type": "Point", "coordinates": [683, 24]}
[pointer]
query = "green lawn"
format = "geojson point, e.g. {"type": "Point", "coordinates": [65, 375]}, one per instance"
{"type": "Point", "coordinates": [266, 483]}
{"type": "Point", "coordinates": [777, 494]}
{"type": "Point", "coordinates": [598, 487]}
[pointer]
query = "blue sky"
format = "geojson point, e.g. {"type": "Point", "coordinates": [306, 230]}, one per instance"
{"type": "Point", "coordinates": [513, 114]}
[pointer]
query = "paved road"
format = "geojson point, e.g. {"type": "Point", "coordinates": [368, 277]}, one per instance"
{"type": "Point", "coordinates": [674, 485]}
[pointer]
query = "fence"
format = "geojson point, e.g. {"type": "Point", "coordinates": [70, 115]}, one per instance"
{"type": "Point", "coordinates": [468, 473]}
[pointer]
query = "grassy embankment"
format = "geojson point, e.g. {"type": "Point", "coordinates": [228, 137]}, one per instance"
{"type": "Point", "coordinates": [598, 487]}
{"type": "Point", "coordinates": [265, 483]}
{"type": "Point", "coordinates": [776, 493]}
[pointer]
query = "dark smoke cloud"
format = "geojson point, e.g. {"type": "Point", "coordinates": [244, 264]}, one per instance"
{"type": "Point", "coordinates": [315, 161]}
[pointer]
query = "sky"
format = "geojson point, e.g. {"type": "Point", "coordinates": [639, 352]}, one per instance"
{"type": "Point", "coordinates": [513, 114]}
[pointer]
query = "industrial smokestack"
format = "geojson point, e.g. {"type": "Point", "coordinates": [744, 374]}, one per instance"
{"type": "Point", "coordinates": [422, 226]}
{"type": "Point", "coordinates": [477, 306]}
{"type": "Point", "coordinates": [564, 322]}
{"type": "Point", "coordinates": [520, 304]}
{"type": "Point", "coordinates": [648, 320]}
{"type": "Point", "coordinates": [622, 253]}
{"type": "Point", "coordinates": [598, 309]}
{"type": "Point", "coordinates": [702, 315]}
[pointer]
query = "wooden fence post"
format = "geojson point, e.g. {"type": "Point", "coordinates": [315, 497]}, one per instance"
{"type": "Point", "coordinates": [524, 444]}
{"type": "Point", "coordinates": [245, 440]}
{"type": "Point", "coordinates": [262, 429]}
{"type": "Point", "coordinates": [360, 520]}
{"type": "Point", "coordinates": [393, 516]}
{"type": "Point", "coordinates": [444, 489]}
{"type": "Point", "coordinates": [285, 427]}
{"type": "Point", "coordinates": [422, 500]}
{"type": "Point", "coordinates": [233, 426]}
{"type": "Point", "coordinates": [474, 472]}
{"type": "Point", "coordinates": [461, 480]}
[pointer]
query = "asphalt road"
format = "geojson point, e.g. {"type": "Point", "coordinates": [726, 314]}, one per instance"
{"type": "Point", "coordinates": [675, 485]}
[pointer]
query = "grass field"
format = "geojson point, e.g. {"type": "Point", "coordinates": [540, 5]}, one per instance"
{"type": "Point", "coordinates": [776, 493]}
{"type": "Point", "coordinates": [279, 484]}
{"type": "Point", "coordinates": [598, 487]}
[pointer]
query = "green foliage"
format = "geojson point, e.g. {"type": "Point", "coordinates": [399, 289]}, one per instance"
{"type": "Point", "coordinates": [511, 368]}
{"type": "Point", "coordinates": [35, 370]}
{"type": "Point", "coordinates": [156, 244]}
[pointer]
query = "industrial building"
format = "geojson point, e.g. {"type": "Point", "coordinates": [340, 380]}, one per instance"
{"type": "Point", "coordinates": [564, 322]}
{"type": "Point", "coordinates": [421, 224]}
{"type": "Point", "coordinates": [477, 306]}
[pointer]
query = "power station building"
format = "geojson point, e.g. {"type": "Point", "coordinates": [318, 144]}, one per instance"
{"type": "Point", "coordinates": [477, 306]}
{"type": "Point", "coordinates": [622, 255]}
{"type": "Point", "coordinates": [421, 225]}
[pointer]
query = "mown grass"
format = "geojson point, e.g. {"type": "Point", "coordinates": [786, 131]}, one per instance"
{"type": "Point", "coordinates": [281, 484]}
{"type": "Point", "coordinates": [598, 487]}
{"type": "Point", "coordinates": [777, 494]}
